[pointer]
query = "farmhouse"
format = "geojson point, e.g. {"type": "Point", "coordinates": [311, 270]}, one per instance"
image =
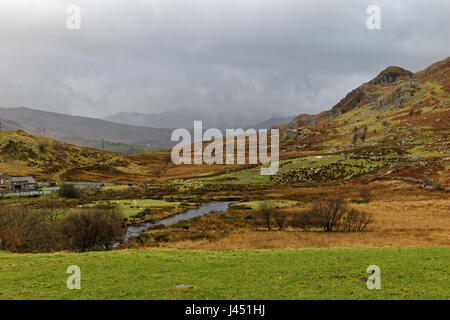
{"type": "Point", "coordinates": [8, 182]}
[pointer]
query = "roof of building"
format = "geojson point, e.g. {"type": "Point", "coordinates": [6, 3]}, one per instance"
{"type": "Point", "coordinates": [23, 179]}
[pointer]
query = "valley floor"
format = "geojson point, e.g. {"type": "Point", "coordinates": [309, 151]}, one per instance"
{"type": "Point", "coordinates": [416, 220]}
{"type": "Point", "coordinates": [326, 273]}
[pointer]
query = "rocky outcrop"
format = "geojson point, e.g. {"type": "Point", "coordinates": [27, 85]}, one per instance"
{"type": "Point", "coordinates": [390, 89]}
{"type": "Point", "coordinates": [397, 97]}
{"type": "Point", "coordinates": [356, 98]}
{"type": "Point", "coordinates": [303, 120]}
{"type": "Point", "coordinates": [391, 75]}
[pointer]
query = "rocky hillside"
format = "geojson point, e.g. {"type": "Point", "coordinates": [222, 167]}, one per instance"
{"type": "Point", "coordinates": [389, 87]}
{"type": "Point", "coordinates": [398, 113]}
{"type": "Point", "coordinates": [396, 106]}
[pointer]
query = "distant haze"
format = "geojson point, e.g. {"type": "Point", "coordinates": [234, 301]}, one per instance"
{"type": "Point", "coordinates": [241, 61]}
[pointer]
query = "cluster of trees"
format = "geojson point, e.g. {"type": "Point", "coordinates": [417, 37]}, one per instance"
{"type": "Point", "coordinates": [329, 215]}
{"type": "Point", "coordinates": [51, 229]}
{"type": "Point", "coordinates": [362, 136]}
{"type": "Point", "coordinates": [68, 191]}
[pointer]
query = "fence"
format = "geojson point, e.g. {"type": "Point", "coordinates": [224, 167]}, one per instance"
{"type": "Point", "coordinates": [25, 193]}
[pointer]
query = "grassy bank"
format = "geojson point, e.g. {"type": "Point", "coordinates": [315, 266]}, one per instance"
{"type": "Point", "coordinates": [329, 273]}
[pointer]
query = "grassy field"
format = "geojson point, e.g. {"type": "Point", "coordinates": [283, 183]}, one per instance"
{"type": "Point", "coordinates": [327, 273]}
{"type": "Point", "coordinates": [256, 205]}
{"type": "Point", "coordinates": [132, 207]}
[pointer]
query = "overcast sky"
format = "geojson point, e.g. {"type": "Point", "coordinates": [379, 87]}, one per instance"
{"type": "Point", "coordinates": [240, 57]}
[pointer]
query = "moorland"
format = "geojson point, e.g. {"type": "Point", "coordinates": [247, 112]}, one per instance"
{"type": "Point", "coordinates": [379, 159]}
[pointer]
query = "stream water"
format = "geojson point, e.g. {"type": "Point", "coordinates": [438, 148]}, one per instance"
{"type": "Point", "coordinates": [134, 231]}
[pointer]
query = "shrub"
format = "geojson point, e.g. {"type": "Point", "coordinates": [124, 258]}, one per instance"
{"type": "Point", "coordinates": [363, 136]}
{"type": "Point", "coordinates": [280, 219]}
{"type": "Point", "coordinates": [161, 237]}
{"type": "Point", "coordinates": [68, 191]}
{"type": "Point", "coordinates": [427, 182]}
{"type": "Point", "coordinates": [24, 230]}
{"type": "Point", "coordinates": [366, 195]}
{"type": "Point", "coordinates": [92, 229]}
{"type": "Point", "coordinates": [157, 227]}
{"type": "Point", "coordinates": [302, 220]}
{"type": "Point", "coordinates": [355, 221]}
{"type": "Point", "coordinates": [330, 215]}
{"type": "Point", "coordinates": [8, 239]}
{"type": "Point", "coordinates": [311, 184]}
{"type": "Point", "coordinates": [264, 216]}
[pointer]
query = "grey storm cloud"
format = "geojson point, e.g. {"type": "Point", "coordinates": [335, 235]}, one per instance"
{"type": "Point", "coordinates": [241, 58]}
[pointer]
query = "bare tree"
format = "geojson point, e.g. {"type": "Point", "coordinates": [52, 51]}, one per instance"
{"type": "Point", "coordinates": [281, 219]}
{"type": "Point", "coordinates": [264, 216]}
{"type": "Point", "coordinates": [332, 214]}
{"type": "Point", "coordinates": [93, 229]}
{"type": "Point", "coordinates": [68, 191]}
{"type": "Point", "coordinates": [328, 212]}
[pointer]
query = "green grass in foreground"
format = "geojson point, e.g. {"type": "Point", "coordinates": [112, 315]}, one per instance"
{"type": "Point", "coordinates": [326, 273]}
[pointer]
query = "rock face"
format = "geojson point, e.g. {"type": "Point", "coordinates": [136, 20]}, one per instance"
{"type": "Point", "coordinates": [369, 92]}
{"type": "Point", "coordinates": [303, 120]}
{"type": "Point", "coordinates": [354, 99]}
{"type": "Point", "coordinates": [391, 75]}
{"type": "Point", "coordinates": [366, 93]}
{"type": "Point", "coordinates": [397, 97]}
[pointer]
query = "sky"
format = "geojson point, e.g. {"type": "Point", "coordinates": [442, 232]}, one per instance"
{"type": "Point", "coordinates": [229, 58]}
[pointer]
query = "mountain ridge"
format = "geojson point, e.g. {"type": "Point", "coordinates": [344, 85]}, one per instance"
{"type": "Point", "coordinates": [372, 90]}
{"type": "Point", "coordinates": [84, 131]}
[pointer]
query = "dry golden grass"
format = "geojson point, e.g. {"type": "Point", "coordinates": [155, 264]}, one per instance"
{"type": "Point", "coordinates": [401, 217]}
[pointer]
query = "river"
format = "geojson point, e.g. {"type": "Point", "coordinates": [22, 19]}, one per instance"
{"type": "Point", "coordinates": [134, 231]}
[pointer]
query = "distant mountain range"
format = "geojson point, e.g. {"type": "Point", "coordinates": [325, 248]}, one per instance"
{"type": "Point", "coordinates": [273, 122]}
{"type": "Point", "coordinates": [185, 119]}
{"type": "Point", "coordinates": [9, 125]}
{"type": "Point", "coordinates": [125, 132]}
{"type": "Point", "coordinates": [83, 131]}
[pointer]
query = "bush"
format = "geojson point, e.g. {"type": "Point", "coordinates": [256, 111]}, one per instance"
{"type": "Point", "coordinates": [24, 230]}
{"type": "Point", "coordinates": [161, 237]}
{"type": "Point", "coordinates": [310, 184]}
{"type": "Point", "coordinates": [302, 220]}
{"type": "Point", "coordinates": [157, 227]}
{"type": "Point", "coordinates": [355, 221]}
{"type": "Point", "coordinates": [47, 229]}
{"type": "Point", "coordinates": [330, 215]}
{"type": "Point", "coordinates": [68, 191]}
{"type": "Point", "coordinates": [366, 195]}
{"type": "Point", "coordinates": [281, 219]}
{"type": "Point", "coordinates": [92, 229]}
{"type": "Point", "coordinates": [427, 182]}
{"type": "Point", "coordinates": [264, 216]}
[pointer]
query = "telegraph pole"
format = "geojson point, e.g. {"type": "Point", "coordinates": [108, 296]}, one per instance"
{"type": "Point", "coordinates": [103, 148]}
